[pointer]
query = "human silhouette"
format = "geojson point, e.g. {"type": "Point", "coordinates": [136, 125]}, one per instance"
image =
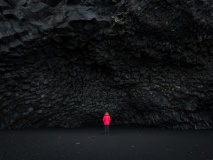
{"type": "Point", "coordinates": [106, 121]}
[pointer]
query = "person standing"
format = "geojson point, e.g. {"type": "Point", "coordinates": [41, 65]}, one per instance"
{"type": "Point", "coordinates": [106, 121]}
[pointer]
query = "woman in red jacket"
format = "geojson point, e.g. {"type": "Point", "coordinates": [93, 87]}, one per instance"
{"type": "Point", "coordinates": [106, 121]}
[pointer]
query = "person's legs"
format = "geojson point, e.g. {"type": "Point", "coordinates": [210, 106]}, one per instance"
{"type": "Point", "coordinates": [105, 129]}
{"type": "Point", "coordinates": [108, 129]}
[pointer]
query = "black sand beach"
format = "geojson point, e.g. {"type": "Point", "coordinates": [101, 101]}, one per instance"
{"type": "Point", "coordinates": [122, 144]}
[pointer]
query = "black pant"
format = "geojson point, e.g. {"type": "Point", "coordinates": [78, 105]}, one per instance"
{"type": "Point", "coordinates": [106, 129]}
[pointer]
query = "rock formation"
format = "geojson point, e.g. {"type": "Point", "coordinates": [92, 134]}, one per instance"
{"type": "Point", "coordinates": [63, 63]}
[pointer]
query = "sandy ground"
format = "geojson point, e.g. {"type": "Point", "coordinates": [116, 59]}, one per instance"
{"type": "Point", "coordinates": [127, 143]}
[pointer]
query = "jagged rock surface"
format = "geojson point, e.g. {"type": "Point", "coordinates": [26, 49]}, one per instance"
{"type": "Point", "coordinates": [64, 63]}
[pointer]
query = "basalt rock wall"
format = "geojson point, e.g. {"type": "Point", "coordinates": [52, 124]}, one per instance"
{"type": "Point", "coordinates": [65, 63]}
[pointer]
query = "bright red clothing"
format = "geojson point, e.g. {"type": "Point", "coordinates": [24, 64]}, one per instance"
{"type": "Point", "coordinates": [106, 119]}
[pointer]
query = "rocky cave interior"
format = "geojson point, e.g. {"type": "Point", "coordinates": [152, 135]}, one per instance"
{"type": "Point", "coordinates": [146, 62]}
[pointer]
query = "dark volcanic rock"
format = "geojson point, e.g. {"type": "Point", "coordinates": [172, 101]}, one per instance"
{"type": "Point", "coordinates": [64, 63]}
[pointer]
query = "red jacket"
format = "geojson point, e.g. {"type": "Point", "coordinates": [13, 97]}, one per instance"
{"type": "Point", "coordinates": [106, 119]}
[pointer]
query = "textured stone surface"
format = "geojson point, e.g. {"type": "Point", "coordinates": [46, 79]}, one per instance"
{"type": "Point", "coordinates": [64, 63]}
